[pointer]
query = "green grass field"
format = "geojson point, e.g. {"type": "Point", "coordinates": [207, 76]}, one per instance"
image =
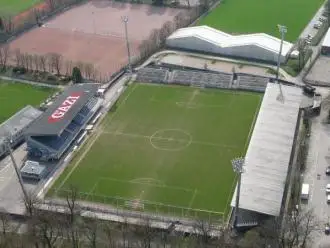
{"type": "Point", "coordinates": [16, 6]}
{"type": "Point", "coordinates": [253, 16]}
{"type": "Point", "coordinates": [13, 97]}
{"type": "Point", "coordinates": [166, 144]}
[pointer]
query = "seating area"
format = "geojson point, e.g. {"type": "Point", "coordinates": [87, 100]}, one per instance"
{"type": "Point", "coordinates": [202, 79]}
{"type": "Point", "coordinates": [55, 142]}
{"type": "Point", "coordinates": [255, 83]}
{"type": "Point", "coordinates": [152, 75]}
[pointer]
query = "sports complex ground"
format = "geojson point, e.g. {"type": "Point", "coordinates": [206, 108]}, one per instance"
{"type": "Point", "coordinates": [16, 6]}
{"type": "Point", "coordinates": [254, 16]}
{"type": "Point", "coordinates": [15, 96]}
{"type": "Point", "coordinates": [94, 33]}
{"type": "Point", "coordinates": [166, 149]}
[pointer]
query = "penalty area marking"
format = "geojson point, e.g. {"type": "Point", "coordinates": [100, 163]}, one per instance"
{"type": "Point", "coordinates": [147, 180]}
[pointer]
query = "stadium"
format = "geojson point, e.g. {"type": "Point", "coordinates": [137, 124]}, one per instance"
{"type": "Point", "coordinates": [167, 145]}
{"type": "Point", "coordinates": [49, 136]}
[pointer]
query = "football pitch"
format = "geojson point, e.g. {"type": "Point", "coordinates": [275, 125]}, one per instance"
{"type": "Point", "coordinates": [16, 6]}
{"type": "Point", "coordinates": [166, 149]}
{"type": "Point", "coordinates": [255, 16]}
{"type": "Point", "coordinates": [15, 96]}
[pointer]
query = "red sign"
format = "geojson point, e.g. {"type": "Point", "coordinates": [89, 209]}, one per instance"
{"type": "Point", "coordinates": [59, 113]}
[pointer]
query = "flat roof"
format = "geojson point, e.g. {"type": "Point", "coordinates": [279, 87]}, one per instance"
{"type": "Point", "coordinates": [32, 167]}
{"type": "Point", "coordinates": [268, 156]}
{"type": "Point", "coordinates": [18, 121]}
{"type": "Point", "coordinates": [326, 41]}
{"type": "Point", "coordinates": [60, 114]}
{"type": "Point", "coordinates": [223, 39]}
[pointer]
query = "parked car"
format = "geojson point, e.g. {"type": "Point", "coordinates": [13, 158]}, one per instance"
{"type": "Point", "coordinates": [317, 25]}
{"type": "Point", "coordinates": [327, 189]}
{"type": "Point", "coordinates": [327, 170]}
{"type": "Point", "coordinates": [322, 19]}
{"type": "Point", "coordinates": [327, 229]}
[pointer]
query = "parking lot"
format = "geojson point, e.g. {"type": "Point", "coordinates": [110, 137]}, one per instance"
{"type": "Point", "coordinates": [318, 160]}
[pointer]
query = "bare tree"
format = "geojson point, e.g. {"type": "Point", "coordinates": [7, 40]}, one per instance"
{"type": "Point", "coordinates": [4, 56]}
{"type": "Point", "coordinates": [36, 62]}
{"type": "Point", "coordinates": [165, 31]}
{"type": "Point", "coordinates": [8, 23]}
{"type": "Point", "coordinates": [88, 70]}
{"type": "Point", "coordinates": [49, 228]}
{"type": "Point", "coordinates": [202, 229]}
{"type": "Point", "coordinates": [68, 67]}
{"type": "Point", "coordinates": [43, 62]}
{"type": "Point", "coordinates": [91, 228]}
{"type": "Point", "coordinates": [108, 233]}
{"type": "Point", "coordinates": [145, 232]}
{"type": "Point", "coordinates": [179, 20]}
{"type": "Point", "coordinates": [18, 57]}
{"type": "Point", "coordinates": [302, 48]}
{"type": "Point", "coordinates": [56, 61]}
{"type": "Point", "coordinates": [155, 37]}
{"type": "Point", "coordinates": [72, 223]}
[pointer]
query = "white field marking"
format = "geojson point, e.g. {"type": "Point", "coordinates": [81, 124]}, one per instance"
{"type": "Point", "coordinates": [199, 105]}
{"type": "Point", "coordinates": [231, 194]}
{"type": "Point", "coordinates": [185, 142]}
{"type": "Point", "coordinates": [193, 198]}
{"type": "Point", "coordinates": [147, 180]}
{"type": "Point", "coordinates": [148, 184]}
{"type": "Point", "coordinates": [92, 141]}
{"type": "Point", "coordinates": [4, 168]}
{"type": "Point", "coordinates": [170, 139]}
{"type": "Point", "coordinates": [252, 126]}
{"type": "Point", "coordinates": [93, 188]}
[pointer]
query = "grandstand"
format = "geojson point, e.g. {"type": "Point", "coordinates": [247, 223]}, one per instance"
{"type": "Point", "coordinates": [53, 132]}
{"type": "Point", "coordinates": [185, 77]}
{"type": "Point", "coordinates": [250, 82]}
{"type": "Point", "coordinates": [15, 126]}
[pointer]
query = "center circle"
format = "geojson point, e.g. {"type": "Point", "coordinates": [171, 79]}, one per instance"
{"type": "Point", "coordinates": [170, 139]}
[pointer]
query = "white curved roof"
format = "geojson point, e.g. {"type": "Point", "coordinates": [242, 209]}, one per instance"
{"type": "Point", "coordinates": [224, 40]}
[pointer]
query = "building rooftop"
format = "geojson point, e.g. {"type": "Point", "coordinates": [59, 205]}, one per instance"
{"type": "Point", "coordinates": [326, 41]}
{"type": "Point", "coordinates": [60, 114]}
{"type": "Point", "coordinates": [222, 39]}
{"type": "Point", "coordinates": [18, 122]}
{"type": "Point", "coordinates": [32, 167]}
{"type": "Point", "coordinates": [268, 156]}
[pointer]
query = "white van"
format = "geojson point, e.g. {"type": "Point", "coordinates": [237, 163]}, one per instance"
{"type": "Point", "coordinates": [304, 192]}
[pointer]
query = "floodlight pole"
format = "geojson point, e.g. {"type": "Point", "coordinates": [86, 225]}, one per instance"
{"type": "Point", "coordinates": [283, 29]}
{"type": "Point", "coordinates": [125, 20]}
{"type": "Point", "coordinates": [20, 180]}
{"type": "Point", "coordinates": [237, 164]}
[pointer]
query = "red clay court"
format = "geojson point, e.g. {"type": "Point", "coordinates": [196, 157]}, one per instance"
{"type": "Point", "coordinates": [94, 33]}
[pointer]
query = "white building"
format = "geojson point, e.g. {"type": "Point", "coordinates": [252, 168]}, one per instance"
{"type": "Point", "coordinates": [326, 43]}
{"type": "Point", "coordinates": [258, 46]}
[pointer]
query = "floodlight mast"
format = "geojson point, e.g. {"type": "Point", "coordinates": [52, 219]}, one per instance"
{"type": "Point", "coordinates": [125, 20]}
{"type": "Point", "coordinates": [283, 29]}
{"type": "Point", "coordinates": [238, 164]}
{"type": "Point", "coordinates": [8, 142]}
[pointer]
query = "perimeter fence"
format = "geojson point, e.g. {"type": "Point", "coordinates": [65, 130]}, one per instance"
{"type": "Point", "coordinates": [156, 210]}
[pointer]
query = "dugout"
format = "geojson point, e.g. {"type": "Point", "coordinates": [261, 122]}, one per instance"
{"type": "Point", "coordinates": [32, 170]}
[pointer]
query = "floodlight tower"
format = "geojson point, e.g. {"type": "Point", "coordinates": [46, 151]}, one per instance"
{"type": "Point", "coordinates": [125, 20]}
{"type": "Point", "coordinates": [8, 142]}
{"type": "Point", "coordinates": [283, 29]}
{"type": "Point", "coordinates": [238, 164]}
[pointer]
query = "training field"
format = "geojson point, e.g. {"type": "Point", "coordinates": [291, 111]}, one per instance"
{"type": "Point", "coordinates": [253, 16]}
{"type": "Point", "coordinates": [16, 6]}
{"type": "Point", "coordinates": [169, 145]}
{"type": "Point", "coordinates": [13, 97]}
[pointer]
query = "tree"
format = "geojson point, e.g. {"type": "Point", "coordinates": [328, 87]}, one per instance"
{"type": "Point", "coordinates": [251, 239]}
{"type": "Point", "coordinates": [76, 75]}
{"type": "Point", "coordinates": [43, 62]}
{"type": "Point", "coordinates": [302, 48]}
{"type": "Point", "coordinates": [56, 61]}
{"type": "Point", "coordinates": [165, 31]}
{"type": "Point", "coordinates": [4, 55]}
{"type": "Point", "coordinates": [2, 25]}
{"type": "Point", "coordinates": [328, 12]}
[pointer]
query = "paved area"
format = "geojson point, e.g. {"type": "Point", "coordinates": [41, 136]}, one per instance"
{"type": "Point", "coordinates": [320, 72]}
{"type": "Point", "coordinates": [317, 160]}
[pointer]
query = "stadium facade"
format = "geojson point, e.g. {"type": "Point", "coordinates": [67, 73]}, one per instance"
{"type": "Point", "coordinates": [54, 131]}
{"type": "Point", "coordinates": [13, 129]}
{"type": "Point", "coordinates": [259, 46]}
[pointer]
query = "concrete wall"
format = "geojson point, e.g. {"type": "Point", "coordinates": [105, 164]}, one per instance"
{"type": "Point", "coordinates": [248, 52]}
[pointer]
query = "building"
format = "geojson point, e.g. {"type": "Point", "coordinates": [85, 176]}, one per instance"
{"type": "Point", "coordinates": [259, 47]}
{"type": "Point", "coordinates": [33, 171]}
{"type": "Point", "coordinates": [325, 49]}
{"type": "Point", "coordinates": [264, 181]}
{"type": "Point", "coordinates": [54, 131]}
{"type": "Point", "coordinates": [12, 130]}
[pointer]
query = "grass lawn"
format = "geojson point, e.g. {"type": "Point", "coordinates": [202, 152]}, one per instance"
{"type": "Point", "coordinates": [253, 16]}
{"type": "Point", "coordinates": [166, 144]}
{"type": "Point", "coordinates": [16, 6]}
{"type": "Point", "coordinates": [13, 97]}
